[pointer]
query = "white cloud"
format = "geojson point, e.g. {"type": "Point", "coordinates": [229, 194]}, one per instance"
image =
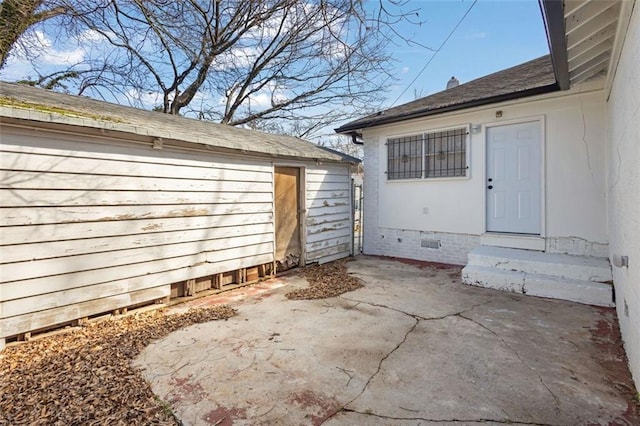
{"type": "Point", "coordinates": [38, 45]}
{"type": "Point", "coordinates": [90, 35]}
{"type": "Point", "coordinates": [147, 99]}
{"type": "Point", "coordinates": [261, 99]}
{"type": "Point", "coordinates": [63, 57]}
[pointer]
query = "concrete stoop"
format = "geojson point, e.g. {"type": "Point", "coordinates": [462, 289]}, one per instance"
{"type": "Point", "coordinates": [579, 279]}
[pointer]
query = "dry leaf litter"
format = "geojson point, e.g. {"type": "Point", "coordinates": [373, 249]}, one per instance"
{"type": "Point", "coordinates": [85, 376]}
{"type": "Point", "coordinates": [328, 280]}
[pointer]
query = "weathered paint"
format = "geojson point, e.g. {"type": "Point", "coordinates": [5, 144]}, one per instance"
{"type": "Point", "coordinates": [328, 218]}
{"type": "Point", "coordinates": [92, 227]}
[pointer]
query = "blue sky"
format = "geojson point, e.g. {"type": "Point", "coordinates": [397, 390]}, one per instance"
{"type": "Point", "coordinates": [495, 35]}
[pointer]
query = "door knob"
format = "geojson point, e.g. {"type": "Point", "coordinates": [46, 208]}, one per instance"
{"type": "Point", "coordinates": [490, 186]}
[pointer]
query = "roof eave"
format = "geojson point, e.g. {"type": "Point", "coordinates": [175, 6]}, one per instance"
{"type": "Point", "coordinates": [110, 131]}
{"type": "Point", "coordinates": [553, 16]}
{"type": "Point", "coordinates": [350, 129]}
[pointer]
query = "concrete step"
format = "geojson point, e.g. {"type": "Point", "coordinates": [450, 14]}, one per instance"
{"type": "Point", "coordinates": [582, 268]}
{"type": "Point", "coordinates": [541, 285]}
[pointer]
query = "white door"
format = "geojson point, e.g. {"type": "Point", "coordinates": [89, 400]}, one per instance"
{"type": "Point", "coordinates": [513, 178]}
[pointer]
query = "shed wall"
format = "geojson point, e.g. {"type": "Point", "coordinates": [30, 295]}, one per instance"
{"type": "Point", "coordinates": [329, 213]}
{"type": "Point", "coordinates": [89, 227]}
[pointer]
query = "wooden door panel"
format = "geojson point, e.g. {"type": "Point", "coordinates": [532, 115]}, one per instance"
{"type": "Point", "coordinates": [287, 205]}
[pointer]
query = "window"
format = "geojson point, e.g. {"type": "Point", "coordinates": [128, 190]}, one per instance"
{"type": "Point", "coordinates": [405, 157]}
{"type": "Point", "coordinates": [445, 155]}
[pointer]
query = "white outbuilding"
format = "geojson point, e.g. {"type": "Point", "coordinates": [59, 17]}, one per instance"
{"type": "Point", "coordinates": [105, 207]}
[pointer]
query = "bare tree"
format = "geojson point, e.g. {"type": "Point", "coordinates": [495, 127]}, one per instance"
{"type": "Point", "coordinates": [257, 63]}
{"type": "Point", "coordinates": [17, 16]}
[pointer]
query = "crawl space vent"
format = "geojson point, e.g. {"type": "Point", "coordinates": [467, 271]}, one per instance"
{"type": "Point", "coordinates": [432, 244]}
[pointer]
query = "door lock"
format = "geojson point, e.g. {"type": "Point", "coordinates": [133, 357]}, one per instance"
{"type": "Point", "coordinates": [490, 186]}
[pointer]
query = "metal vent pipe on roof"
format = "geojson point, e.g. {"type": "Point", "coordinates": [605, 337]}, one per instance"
{"type": "Point", "coordinates": [453, 82]}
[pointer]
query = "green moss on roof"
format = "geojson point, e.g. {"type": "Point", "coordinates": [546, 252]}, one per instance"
{"type": "Point", "coordinates": [12, 102]}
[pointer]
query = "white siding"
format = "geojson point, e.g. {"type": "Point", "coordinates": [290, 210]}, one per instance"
{"type": "Point", "coordinates": [329, 213]}
{"type": "Point", "coordinates": [623, 110]}
{"type": "Point", "coordinates": [86, 227]}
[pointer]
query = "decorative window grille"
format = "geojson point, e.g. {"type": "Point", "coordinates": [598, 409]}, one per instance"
{"type": "Point", "coordinates": [445, 153]}
{"type": "Point", "coordinates": [404, 157]}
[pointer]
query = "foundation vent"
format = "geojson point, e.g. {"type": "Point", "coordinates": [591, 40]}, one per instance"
{"type": "Point", "coordinates": [432, 244]}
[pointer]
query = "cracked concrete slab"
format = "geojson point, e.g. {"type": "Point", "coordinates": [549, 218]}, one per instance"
{"type": "Point", "coordinates": [493, 383]}
{"type": "Point", "coordinates": [278, 361]}
{"type": "Point", "coordinates": [414, 346]}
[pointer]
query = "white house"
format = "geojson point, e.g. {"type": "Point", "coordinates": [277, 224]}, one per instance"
{"type": "Point", "coordinates": [528, 176]}
{"type": "Point", "coordinates": [104, 207]}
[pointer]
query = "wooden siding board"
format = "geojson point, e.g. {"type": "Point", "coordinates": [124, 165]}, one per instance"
{"type": "Point", "coordinates": [329, 172]}
{"type": "Point", "coordinates": [318, 255]}
{"type": "Point", "coordinates": [107, 166]}
{"type": "Point", "coordinates": [75, 146]}
{"type": "Point", "coordinates": [66, 248]}
{"type": "Point", "coordinates": [325, 210]}
{"type": "Point", "coordinates": [326, 195]}
{"type": "Point", "coordinates": [329, 202]}
{"type": "Point", "coordinates": [37, 320]}
{"type": "Point", "coordinates": [11, 179]}
{"type": "Point", "coordinates": [327, 186]}
{"type": "Point", "coordinates": [57, 283]}
{"type": "Point", "coordinates": [46, 301]}
{"type": "Point", "coordinates": [330, 226]}
{"type": "Point", "coordinates": [29, 216]}
{"type": "Point", "coordinates": [320, 244]}
{"type": "Point", "coordinates": [320, 218]}
{"type": "Point", "coordinates": [201, 250]}
{"type": "Point", "coordinates": [327, 235]}
{"type": "Point", "coordinates": [88, 230]}
{"type": "Point", "coordinates": [68, 198]}
{"type": "Point", "coordinates": [326, 179]}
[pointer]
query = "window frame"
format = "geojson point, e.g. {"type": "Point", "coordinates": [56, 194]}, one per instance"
{"type": "Point", "coordinates": [423, 136]}
{"type": "Point", "coordinates": [411, 157]}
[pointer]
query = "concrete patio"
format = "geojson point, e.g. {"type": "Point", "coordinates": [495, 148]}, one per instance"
{"type": "Point", "coordinates": [414, 346]}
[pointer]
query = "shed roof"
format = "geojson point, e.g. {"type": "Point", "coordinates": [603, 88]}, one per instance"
{"type": "Point", "coordinates": [19, 102]}
{"type": "Point", "coordinates": [528, 79]}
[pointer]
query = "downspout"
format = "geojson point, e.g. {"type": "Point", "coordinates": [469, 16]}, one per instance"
{"type": "Point", "coordinates": [356, 138]}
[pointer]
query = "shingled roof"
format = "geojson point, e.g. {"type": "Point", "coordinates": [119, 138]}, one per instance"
{"type": "Point", "coordinates": [28, 105]}
{"type": "Point", "coordinates": [528, 79]}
